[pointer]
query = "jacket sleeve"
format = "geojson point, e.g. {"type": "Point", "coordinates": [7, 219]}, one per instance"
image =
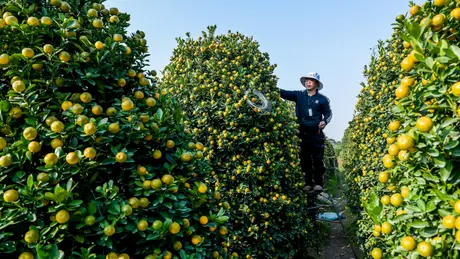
{"type": "Point", "coordinates": [288, 95]}
{"type": "Point", "coordinates": [327, 112]}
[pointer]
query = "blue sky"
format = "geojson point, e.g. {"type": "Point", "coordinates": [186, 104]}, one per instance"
{"type": "Point", "coordinates": [333, 38]}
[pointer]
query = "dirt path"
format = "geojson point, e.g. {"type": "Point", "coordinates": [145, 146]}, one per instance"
{"type": "Point", "coordinates": [338, 246]}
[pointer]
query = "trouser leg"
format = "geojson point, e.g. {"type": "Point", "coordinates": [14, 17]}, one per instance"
{"type": "Point", "coordinates": [319, 169]}
{"type": "Point", "coordinates": [306, 162]}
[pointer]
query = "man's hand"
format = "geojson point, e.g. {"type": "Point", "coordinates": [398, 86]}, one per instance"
{"type": "Point", "coordinates": [322, 124]}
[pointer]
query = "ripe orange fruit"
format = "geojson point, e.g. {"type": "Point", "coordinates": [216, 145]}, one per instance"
{"type": "Point", "coordinates": [57, 126]}
{"type": "Point", "coordinates": [114, 128]}
{"type": "Point", "coordinates": [385, 200]}
{"type": "Point", "coordinates": [66, 105]}
{"type": "Point", "coordinates": [64, 56]}
{"type": "Point", "coordinates": [150, 102]}
{"type": "Point", "coordinates": [141, 170]}
{"type": "Point", "coordinates": [92, 13]}
{"type": "Point", "coordinates": [11, 195]}
{"type": "Point", "coordinates": [202, 188]}
{"type": "Point", "coordinates": [407, 64]}
{"type": "Point", "coordinates": [448, 221]}
{"type": "Point", "coordinates": [142, 225]}
{"type": "Point", "coordinates": [4, 59]}
{"type": "Point", "coordinates": [394, 125]}
{"type": "Point", "coordinates": [121, 157]}
{"type": "Point", "coordinates": [109, 230]}
{"type": "Point", "coordinates": [127, 105]}
{"type": "Point", "coordinates": [156, 184]}
{"type": "Point", "coordinates": [55, 143]}
{"type": "Point", "coordinates": [30, 133]}
{"type": "Point", "coordinates": [455, 13]}
{"type": "Point", "coordinates": [90, 153]}
{"type": "Point", "coordinates": [174, 228]}
{"type": "Point", "coordinates": [402, 91]}
{"type": "Point", "coordinates": [457, 207]}
{"type": "Point", "coordinates": [139, 95]}
{"type": "Point", "coordinates": [2, 143]}
{"type": "Point", "coordinates": [31, 237]}
{"type": "Point", "coordinates": [98, 24]}
{"type": "Point", "coordinates": [438, 20]}
{"type": "Point", "coordinates": [403, 155]}
{"type": "Point", "coordinates": [99, 45]}
{"type": "Point", "coordinates": [203, 220]}
{"type": "Point", "coordinates": [404, 142]}
{"type": "Point", "coordinates": [383, 177]}
{"type": "Point", "coordinates": [90, 128]}
{"type": "Point", "coordinates": [112, 255]}
{"type": "Point", "coordinates": [408, 243]}
{"type": "Point", "coordinates": [117, 38]}
{"type": "Point", "coordinates": [396, 199]}
{"type": "Point", "coordinates": [97, 110]}
{"type": "Point", "coordinates": [157, 154]}
{"type": "Point", "coordinates": [439, 3]}
{"type": "Point", "coordinates": [377, 253]}
{"type": "Point", "coordinates": [72, 158]}
{"type": "Point", "coordinates": [186, 157]}
{"type": "Point", "coordinates": [144, 81]}
{"type": "Point", "coordinates": [19, 86]}
{"type": "Point", "coordinates": [46, 21]}
{"type": "Point", "coordinates": [388, 161]}
{"type": "Point", "coordinates": [62, 216]}
{"type": "Point", "coordinates": [170, 144]}
{"type": "Point", "coordinates": [167, 179]}
{"type": "Point", "coordinates": [414, 10]}
{"type": "Point", "coordinates": [28, 52]}
{"type": "Point", "coordinates": [405, 191]}
{"type": "Point", "coordinates": [111, 111]}
{"type": "Point", "coordinates": [393, 150]}
{"type": "Point", "coordinates": [144, 202]}
{"type": "Point", "coordinates": [424, 124]}
{"type": "Point", "coordinates": [408, 81]}
{"type": "Point", "coordinates": [386, 228]}
{"type": "Point", "coordinates": [456, 88]}
{"type": "Point", "coordinates": [196, 239]}
{"type": "Point", "coordinates": [223, 231]}
{"type": "Point", "coordinates": [425, 249]}
{"type": "Point", "coordinates": [26, 255]}
{"type": "Point", "coordinates": [11, 19]}
{"type": "Point", "coordinates": [86, 97]}
{"type": "Point", "coordinates": [121, 82]}
{"type": "Point", "coordinates": [34, 147]}
{"type": "Point", "coordinates": [457, 236]}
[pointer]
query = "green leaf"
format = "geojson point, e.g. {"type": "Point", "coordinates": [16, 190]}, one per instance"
{"type": "Point", "coordinates": [429, 62]}
{"type": "Point", "coordinates": [92, 208]}
{"type": "Point", "coordinates": [158, 115]}
{"type": "Point", "coordinates": [433, 152]}
{"type": "Point", "coordinates": [400, 218]}
{"type": "Point", "coordinates": [30, 181]}
{"type": "Point", "coordinates": [451, 144]}
{"type": "Point", "coordinates": [75, 203]}
{"type": "Point", "coordinates": [448, 122]}
{"type": "Point", "coordinates": [431, 206]}
{"type": "Point", "coordinates": [440, 162]}
{"type": "Point", "coordinates": [5, 106]}
{"type": "Point", "coordinates": [428, 176]}
{"type": "Point", "coordinates": [419, 224]}
{"type": "Point", "coordinates": [429, 232]}
{"type": "Point", "coordinates": [456, 50]}
{"type": "Point", "coordinates": [421, 205]}
{"type": "Point", "coordinates": [79, 239]}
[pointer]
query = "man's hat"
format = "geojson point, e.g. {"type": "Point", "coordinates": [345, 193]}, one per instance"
{"type": "Point", "coordinates": [312, 75]}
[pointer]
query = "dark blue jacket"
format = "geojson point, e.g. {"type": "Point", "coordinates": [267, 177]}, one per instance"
{"type": "Point", "coordinates": [310, 110]}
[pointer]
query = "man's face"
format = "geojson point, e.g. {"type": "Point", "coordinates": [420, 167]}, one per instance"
{"type": "Point", "coordinates": [311, 84]}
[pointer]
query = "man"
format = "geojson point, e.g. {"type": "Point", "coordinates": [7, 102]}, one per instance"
{"type": "Point", "coordinates": [313, 113]}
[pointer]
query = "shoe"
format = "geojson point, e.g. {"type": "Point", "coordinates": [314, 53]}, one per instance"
{"type": "Point", "coordinates": [318, 188]}
{"type": "Point", "coordinates": [307, 188]}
